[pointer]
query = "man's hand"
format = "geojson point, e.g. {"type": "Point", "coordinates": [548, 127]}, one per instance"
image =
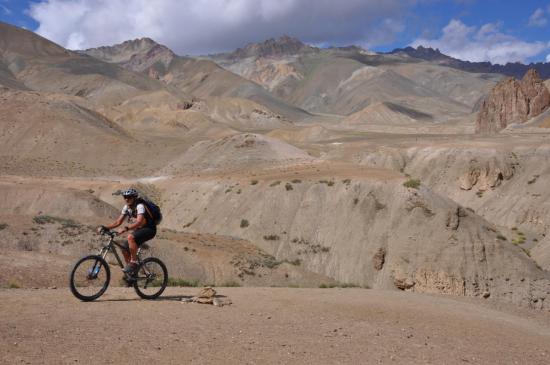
{"type": "Point", "coordinates": [101, 229]}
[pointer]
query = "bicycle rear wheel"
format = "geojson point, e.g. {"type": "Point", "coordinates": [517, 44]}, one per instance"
{"type": "Point", "coordinates": [151, 278]}
{"type": "Point", "coordinates": [90, 278]}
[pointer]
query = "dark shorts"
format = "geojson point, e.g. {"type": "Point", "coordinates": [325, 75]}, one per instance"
{"type": "Point", "coordinates": [142, 235]}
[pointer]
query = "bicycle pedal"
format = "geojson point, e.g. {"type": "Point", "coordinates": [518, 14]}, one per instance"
{"type": "Point", "coordinates": [129, 281]}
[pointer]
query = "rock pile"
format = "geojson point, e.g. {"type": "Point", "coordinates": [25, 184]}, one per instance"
{"type": "Point", "coordinates": [513, 101]}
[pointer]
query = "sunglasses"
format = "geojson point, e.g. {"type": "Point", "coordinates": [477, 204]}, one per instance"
{"type": "Point", "coordinates": [128, 197]}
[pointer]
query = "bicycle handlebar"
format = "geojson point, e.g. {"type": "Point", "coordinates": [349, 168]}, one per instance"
{"type": "Point", "coordinates": [106, 232]}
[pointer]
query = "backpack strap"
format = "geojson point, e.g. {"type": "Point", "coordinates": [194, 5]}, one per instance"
{"type": "Point", "coordinates": [149, 213]}
{"type": "Point", "coordinates": [150, 219]}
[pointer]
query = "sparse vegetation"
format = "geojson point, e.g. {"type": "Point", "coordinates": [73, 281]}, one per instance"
{"type": "Point", "coordinates": [230, 284]}
{"type": "Point", "coordinates": [501, 237]}
{"type": "Point", "coordinates": [13, 285]}
{"type": "Point", "coordinates": [244, 223]}
{"type": "Point", "coordinates": [479, 193]}
{"type": "Point", "coordinates": [182, 282]}
{"type": "Point", "coordinates": [270, 262]}
{"type": "Point", "coordinates": [328, 182]}
{"type": "Point", "coordinates": [46, 219]}
{"type": "Point", "coordinates": [3, 226]}
{"type": "Point", "coordinates": [271, 237]}
{"type": "Point", "coordinates": [253, 182]}
{"type": "Point", "coordinates": [412, 183]}
{"type": "Point", "coordinates": [341, 285]}
{"type": "Point", "coordinates": [295, 262]}
{"type": "Point", "coordinates": [346, 181]}
{"type": "Point", "coordinates": [275, 183]}
{"type": "Point", "coordinates": [296, 181]}
{"type": "Point", "coordinates": [355, 201]}
{"type": "Point", "coordinates": [310, 248]}
{"type": "Point", "coordinates": [288, 187]}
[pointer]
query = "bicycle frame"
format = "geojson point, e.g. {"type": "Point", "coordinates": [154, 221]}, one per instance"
{"type": "Point", "coordinates": [110, 247]}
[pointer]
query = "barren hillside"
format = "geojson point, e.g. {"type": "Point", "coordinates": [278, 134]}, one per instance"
{"type": "Point", "coordinates": [277, 164]}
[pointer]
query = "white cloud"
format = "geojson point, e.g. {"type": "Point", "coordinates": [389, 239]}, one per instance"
{"type": "Point", "coordinates": [538, 18]}
{"type": "Point", "coordinates": [548, 57]}
{"type": "Point", "coordinates": [486, 43]}
{"type": "Point", "coordinates": [204, 26]}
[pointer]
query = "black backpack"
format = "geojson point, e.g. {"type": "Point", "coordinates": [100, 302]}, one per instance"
{"type": "Point", "coordinates": [153, 211]}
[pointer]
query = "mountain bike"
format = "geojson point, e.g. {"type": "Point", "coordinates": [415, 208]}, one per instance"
{"type": "Point", "coordinates": [91, 274]}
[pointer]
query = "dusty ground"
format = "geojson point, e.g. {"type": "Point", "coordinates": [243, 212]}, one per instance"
{"type": "Point", "coordinates": [268, 325]}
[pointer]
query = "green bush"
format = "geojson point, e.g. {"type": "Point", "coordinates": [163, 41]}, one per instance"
{"type": "Point", "coordinates": [253, 182]}
{"type": "Point", "coordinates": [296, 181]}
{"type": "Point", "coordinates": [244, 223]}
{"type": "Point", "coordinates": [288, 187]}
{"type": "Point", "coordinates": [275, 183]}
{"type": "Point", "coordinates": [271, 237]}
{"type": "Point", "coordinates": [501, 237]}
{"type": "Point", "coordinates": [412, 183]}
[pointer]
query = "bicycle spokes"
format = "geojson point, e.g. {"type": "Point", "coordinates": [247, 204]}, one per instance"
{"type": "Point", "coordinates": [89, 277]}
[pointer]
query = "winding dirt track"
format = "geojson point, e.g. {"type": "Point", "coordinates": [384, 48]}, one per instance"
{"type": "Point", "coordinates": [268, 326]}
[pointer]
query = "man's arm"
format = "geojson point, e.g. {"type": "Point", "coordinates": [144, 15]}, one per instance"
{"type": "Point", "coordinates": [116, 223]}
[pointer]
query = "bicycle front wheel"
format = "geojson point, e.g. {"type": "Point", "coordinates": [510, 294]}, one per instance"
{"type": "Point", "coordinates": [90, 278]}
{"type": "Point", "coordinates": [151, 278]}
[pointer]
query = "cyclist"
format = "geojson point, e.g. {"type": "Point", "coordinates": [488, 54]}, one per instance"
{"type": "Point", "coordinates": [140, 227]}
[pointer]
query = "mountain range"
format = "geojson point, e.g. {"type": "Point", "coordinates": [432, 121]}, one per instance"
{"type": "Point", "coordinates": [515, 69]}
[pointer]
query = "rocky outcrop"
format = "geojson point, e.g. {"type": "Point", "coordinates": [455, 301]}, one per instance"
{"type": "Point", "coordinates": [282, 46]}
{"type": "Point", "coordinates": [513, 101]}
{"type": "Point", "coordinates": [487, 175]}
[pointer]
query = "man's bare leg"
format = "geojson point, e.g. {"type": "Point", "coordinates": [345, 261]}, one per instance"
{"type": "Point", "coordinates": [133, 248]}
{"type": "Point", "coordinates": [126, 254]}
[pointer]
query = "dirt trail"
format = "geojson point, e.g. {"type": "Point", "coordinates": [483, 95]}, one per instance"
{"type": "Point", "coordinates": [270, 326]}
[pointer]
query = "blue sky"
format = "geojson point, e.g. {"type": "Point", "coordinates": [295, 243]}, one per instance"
{"type": "Point", "coordinates": [497, 31]}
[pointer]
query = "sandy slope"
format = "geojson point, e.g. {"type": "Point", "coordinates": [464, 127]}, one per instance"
{"type": "Point", "coordinates": [268, 326]}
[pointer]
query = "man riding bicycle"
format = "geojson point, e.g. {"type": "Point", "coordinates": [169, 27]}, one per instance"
{"type": "Point", "coordinates": [141, 227]}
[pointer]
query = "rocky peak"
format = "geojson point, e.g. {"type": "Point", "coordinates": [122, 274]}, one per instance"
{"type": "Point", "coordinates": [282, 46]}
{"type": "Point", "coordinates": [513, 101]}
{"type": "Point", "coordinates": [125, 51]}
{"type": "Point", "coordinates": [424, 53]}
